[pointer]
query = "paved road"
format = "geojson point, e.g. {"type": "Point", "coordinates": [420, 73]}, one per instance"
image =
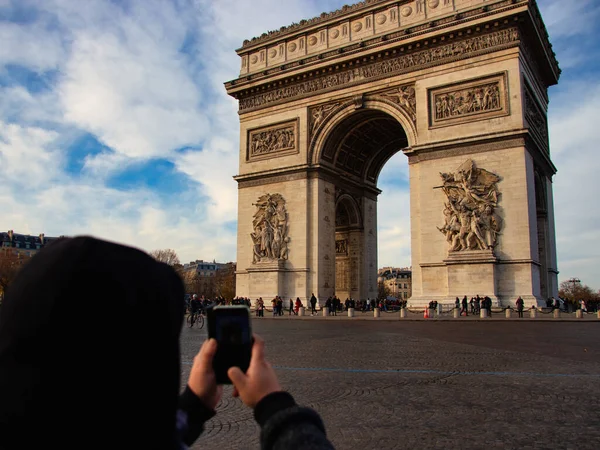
{"type": "Point", "coordinates": [422, 385]}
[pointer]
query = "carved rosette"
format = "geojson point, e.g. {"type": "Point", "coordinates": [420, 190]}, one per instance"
{"type": "Point", "coordinates": [270, 224]}
{"type": "Point", "coordinates": [272, 141]}
{"type": "Point", "coordinates": [471, 222]}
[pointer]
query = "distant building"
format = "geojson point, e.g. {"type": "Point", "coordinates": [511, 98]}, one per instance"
{"type": "Point", "coordinates": [204, 268]}
{"type": "Point", "coordinates": [398, 280]}
{"type": "Point", "coordinates": [24, 243]}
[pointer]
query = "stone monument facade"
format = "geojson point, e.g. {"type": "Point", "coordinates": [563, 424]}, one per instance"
{"type": "Point", "coordinates": [461, 88]}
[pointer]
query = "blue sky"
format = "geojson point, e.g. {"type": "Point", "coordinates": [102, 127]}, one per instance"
{"type": "Point", "coordinates": [114, 122]}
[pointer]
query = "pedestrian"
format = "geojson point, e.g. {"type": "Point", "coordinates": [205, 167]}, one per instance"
{"type": "Point", "coordinates": [298, 305]}
{"type": "Point", "coordinates": [291, 307]}
{"type": "Point", "coordinates": [583, 306]}
{"type": "Point", "coordinates": [328, 304]}
{"type": "Point", "coordinates": [313, 304]}
{"type": "Point", "coordinates": [464, 307]}
{"type": "Point", "coordinates": [261, 307]}
{"type": "Point", "coordinates": [457, 303]}
{"type": "Point", "coordinates": [520, 304]}
{"type": "Point", "coordinates": [472, 304]}
{"type": "Point", "coordinates": [122, 390]}
{"type": "Point", "coordinates": [488, 305]}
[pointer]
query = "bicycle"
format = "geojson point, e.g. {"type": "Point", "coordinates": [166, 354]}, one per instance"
{"type": "Point", "coordinates": [196, 318]}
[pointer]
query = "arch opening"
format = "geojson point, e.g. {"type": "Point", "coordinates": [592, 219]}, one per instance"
{"type": "Point", "coordinates": [357, 148]}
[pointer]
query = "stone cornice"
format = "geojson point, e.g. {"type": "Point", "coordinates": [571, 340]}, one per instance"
{"type": "Point", "coordinates": [413, 57]}
{"type": "Point", "coordinates": [439, 24]}
{"type": "Point", "coordinates": [305, 24]}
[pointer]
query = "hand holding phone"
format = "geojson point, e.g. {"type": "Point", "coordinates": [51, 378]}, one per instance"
{"type": "Point", "coordinates": [259, 380]}
{"type": "Point", "coordinates": [230, 327]}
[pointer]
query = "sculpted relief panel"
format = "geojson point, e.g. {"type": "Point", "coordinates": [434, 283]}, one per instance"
{"type": "Point", "coordinates": [536, 119]}
{"type": "Point", "coordinates": [471, 222]}
{"type": "Point", "coordinates": [477, 100]}
{"type": "Point", "coordinates": [270, 223]}
{"type": "Point", "coordinates": [273, 141]}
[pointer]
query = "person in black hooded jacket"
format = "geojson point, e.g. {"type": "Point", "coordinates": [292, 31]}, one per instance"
{"type": "Point", "coordinates": [89, 358]}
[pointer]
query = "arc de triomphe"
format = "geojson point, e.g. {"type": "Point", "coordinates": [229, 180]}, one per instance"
{"type": "Point", "coordinates": [459, 86]}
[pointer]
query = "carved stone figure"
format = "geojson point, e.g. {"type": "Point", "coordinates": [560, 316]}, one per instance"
{"type": "Point", "coordinates": [271, 141]}
{"type": "Point", "coordinates": [467, 101]}
{"type": "Point", "coordinates": [270, 223]}
{"type": "Point", "coordinates": [341, 247]}
{"type": "Point", "coordinates": [405, 97]}
{"type": "Point", "coordinates": [470, 220]}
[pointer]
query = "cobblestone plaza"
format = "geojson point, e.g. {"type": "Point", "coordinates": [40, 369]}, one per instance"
{"type": "Point", "coordinates": [418, 384]}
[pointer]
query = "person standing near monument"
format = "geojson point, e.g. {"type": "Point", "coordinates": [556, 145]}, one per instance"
{"type": "Point", "coordinates": [313, 304]}
{"type": "Point", "coordinates": [520, 304]}
{"type": "Point", "coordinates": [464, 307]}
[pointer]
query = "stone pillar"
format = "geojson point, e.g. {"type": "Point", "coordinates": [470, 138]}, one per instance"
{"type": "Point", "coordinates": [431, 313]}
{"type": "Point", "coordinates": [403, 313]}
{"type": "Point", "coordinates": [556, 313]}
{"type": "Point", "coordinates": [483, 313]}
{"type": "Point", "coordinates": [325, 310]}
{"type": "Point", "coordinates": [350, 312]}
{"type": "Point", "coordinates": [579, 314]}
{"type": "Point", "coordinates": [533, 313]}
{"type": "Point", "coordinates": [301, 311]}
{"type": "Point", "coordinates": [376, 313]}
{"type": "Point", "coordinates": [456, 313]}
{"type": "Point", "coordinates": [508, 313]}
{"type": "Point", "coordinates": [598, 314]}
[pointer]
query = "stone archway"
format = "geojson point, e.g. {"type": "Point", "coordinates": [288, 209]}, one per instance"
{"type": "Point", "coordinates": [460, 86]}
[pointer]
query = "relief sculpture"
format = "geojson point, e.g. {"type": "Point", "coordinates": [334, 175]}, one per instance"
{"type": "Point", "coordinates": [341, 247]}
{"type": "Point", "coordinates": [271, 141]}
{"type": "Point", "coordinates": [471, 222]}
{"type": "Point", "coordinates": [270, 223]}
{"type": "Point", "coordinates": [405, 97]}
{"type": "Point", "coordinates": [468, 101]}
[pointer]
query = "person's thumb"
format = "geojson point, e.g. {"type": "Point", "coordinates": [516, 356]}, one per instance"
{"type": "Point", "coordinates": [237, 377]}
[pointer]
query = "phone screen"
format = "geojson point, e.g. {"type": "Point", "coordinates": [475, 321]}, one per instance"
{"type": "Point", "coordinates": [230, 326]}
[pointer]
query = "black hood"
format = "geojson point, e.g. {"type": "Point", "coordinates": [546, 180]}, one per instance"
{"type": "Point", "coordinates": [89, 349]}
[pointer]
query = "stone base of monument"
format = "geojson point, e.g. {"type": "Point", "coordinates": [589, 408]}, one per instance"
{"type": "Point", "coordinates": [533, 313]}
{"type": "Point", "coordinates": [456, 313]}
{"type": "Point", "coordinates": [508, 313]}
{"type": "Point", "coordinates": [579, 314]}
{"type": "Point", "coordinates": [325, 312]}
{"type": "Point", "coordinates": [556, 313]}
{"type": "Point", "coordinates": [483, 313]}
{"type": "Point", "coordinates": [350, 312]}
{"type": "Point", "coordinates": [403, 313]}
{"type": "Point", "coordinates": [376, 313]}
{"type": "Point", "coordinates": [301, 311]}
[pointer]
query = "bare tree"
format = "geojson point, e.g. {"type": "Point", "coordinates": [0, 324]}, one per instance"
{"type": "Point", "coordinates": [167, 256]}
{"type": "Point", "coordinates": [573, 290]}
{"type": "Point", "coordinates": [383, 290]}
{"type": "Point", "coordinates": [225, 281]}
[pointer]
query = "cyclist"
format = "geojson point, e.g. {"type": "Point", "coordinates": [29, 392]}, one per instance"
{"type": "Point", "coordinates": [195, 307]}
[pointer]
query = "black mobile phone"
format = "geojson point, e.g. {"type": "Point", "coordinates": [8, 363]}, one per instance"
{"type": "Point", "coordinates": [230, 326]}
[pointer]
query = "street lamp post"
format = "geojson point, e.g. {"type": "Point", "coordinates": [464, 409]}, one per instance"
{"type": "Point", "coordinates": [574, 281]}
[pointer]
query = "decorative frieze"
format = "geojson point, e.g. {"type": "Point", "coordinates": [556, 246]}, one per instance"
{"type": "Point", "coordinates": [476, 100]}
{"type": "Point", "coordinates": [386, 68]}
{"type": "Point", "coordinates": [273, 141]}
{"type": "Point", "coordinates": [536, 119]}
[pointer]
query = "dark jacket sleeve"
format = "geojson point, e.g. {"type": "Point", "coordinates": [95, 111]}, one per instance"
{"type": "Point", "coordinates": [285, 425]}
{"type": "Point", "coordinates": [196, 414]}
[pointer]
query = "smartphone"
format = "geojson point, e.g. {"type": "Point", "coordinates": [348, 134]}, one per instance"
{"type": "Point", "coordinates": [230, 326]}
